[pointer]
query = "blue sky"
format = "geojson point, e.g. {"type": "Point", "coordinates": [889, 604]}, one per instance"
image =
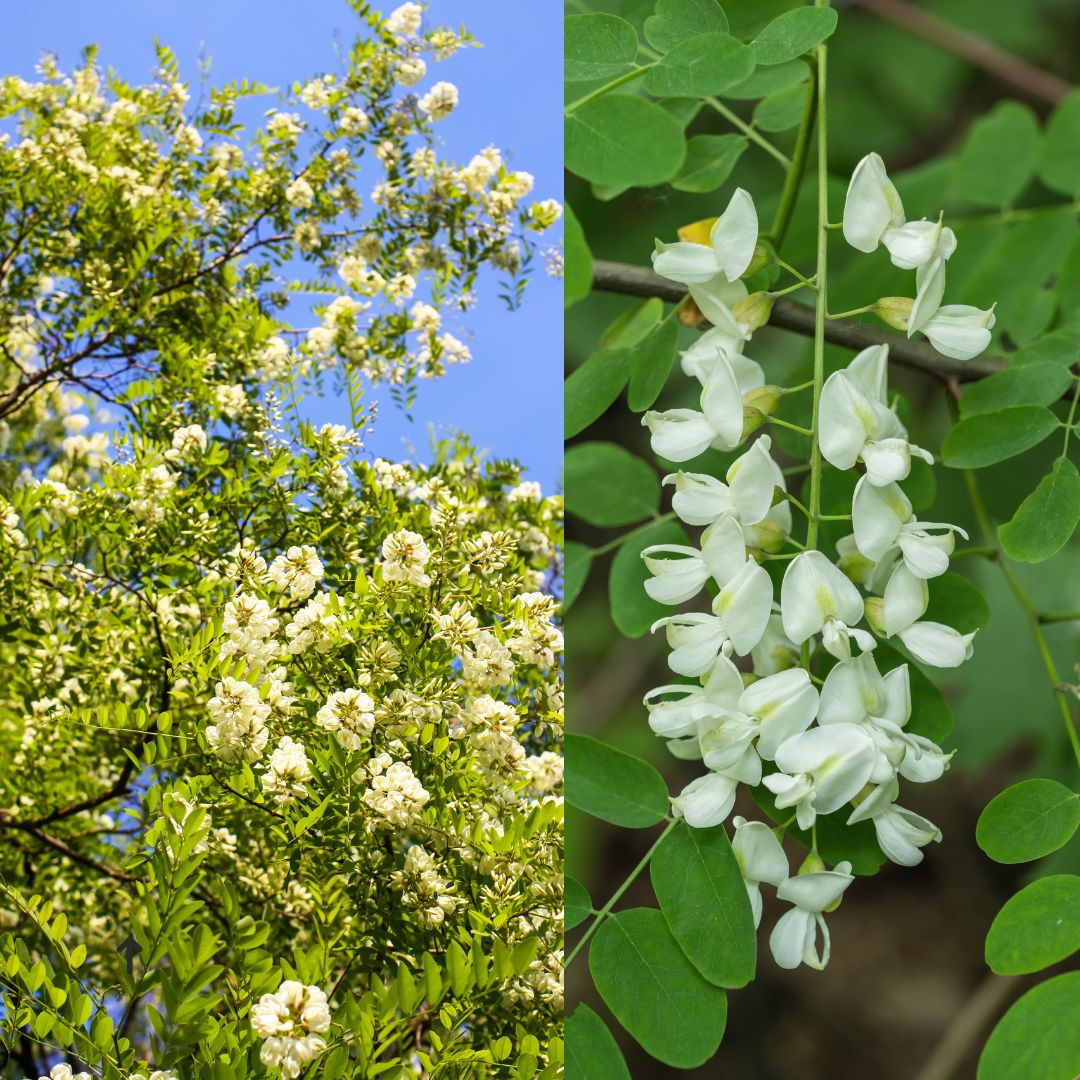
{"type": "Point", "coordinates": [510, 397]}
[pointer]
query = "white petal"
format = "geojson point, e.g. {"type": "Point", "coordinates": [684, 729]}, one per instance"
{"type": "Point", "coordinates": [679, 434]}
{"type": "Point", "coordinates": [869, 372]}
{"type": "Point", "coordinates": [744, 605]}
{"type": "Point", "coordinates": [688, 263]}
{"type": "Point", "coordinates": [915, 243]}
{"type": "Point", "coordinates": [886, 461]}
{"type": "Point", "coordinates": [871, 206]}
{"type": "Point", "coordinates": [840, 758]}
{"type": "Point", "coordinates": [706, 801]}
{"type": "Point", "coordinates": [696, 640]}
{"type": "Point", "coordinates": [672, 717]}
{"type": "Point", "coordinates": [699, 360]}
{"type": "Point", "coordinates": [852, 691]}
{"type": "Point", "coordinates": [926, 556]}
{"type": "Point", "coordinates": [723, 550]}
{"type": "Point", "coordinates": [734, 235]}
{"type": "Point", "coordinates": [700, 499]}
{"type": "Point", "coordinates": [752, 478]}
{"type": "Point", "coordinates": [759, 854]}
{"type": "Point", "coordinates": [877, 513]}
{"type": "Point", "coordinates": [675, 580]}
{"type": "Point", "coordinates": [814, 590]}
{"type": "Point", "coordinates": [844, 414]}
{"type": "Point", "coordinates": [722, 404]}
{"type": "Point", "coordinates": [906, 598]}
{"type": "Point", "coordinates": [817, 891]}
{"type": "Point", "coordinates": [929, 289]}
{"type": "Point", "coordinates": [788, 940]}
{"type": "Point", "coordinates": [714, 299]}
{"type": "Point", "coordinates": [748, 373]}
{"type": "Point", "coordinates": [936, 644]}
{"type": "Point", "coordinates": [785, 703]}
{"type": "Point", "coordinates": [723, 685]}
{"type": "Point", "coordinates": [959, 331]}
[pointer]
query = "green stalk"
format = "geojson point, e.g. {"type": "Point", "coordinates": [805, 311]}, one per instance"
{"type": "Point", "coordinates": [790, 193]}
{"type": "Point", "coordinates": [600, 91]}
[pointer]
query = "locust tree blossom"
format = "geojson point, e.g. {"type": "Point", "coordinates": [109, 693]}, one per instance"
{"type": "Point", "coordinates": [292, 1021]}
{"type": "Point", "coordinates": [760, 857]}
{"type": "Point", "coordinates": [794, 939]}
{"type": "Point", "coordinates": [732, 241]}
{"type": "Point", "coordinates": [816, 598]}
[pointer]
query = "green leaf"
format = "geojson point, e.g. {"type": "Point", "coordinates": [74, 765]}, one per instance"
{"type": "Point", "coordinates": [623, 140]}
{"type": "Point", "coordinates": [1047, 518]}
{"type": "Point", "coordinates": [1038, 383]}
{"type": "Point", "coordinates": [577, 561]}
{"type": "Point", "coordinates": [705, 64]}
{"type": "Point", "coordinates": [632, 610]}
{"type": "Point", "coordinates": [632, 325]}
{"type": "Point", "coordinates": [999, 155]}
{"type": "Point", "coordinates": [1028, 821]}
{"type": "Point", "coordinates": [767, 80]}
{"type": "Point", "coordinates": [591, 389]}
{"type": "Point", "coordinates": [650, 365]}
{"type": "Point", "coordinates": [577, 904]}
{"type": "Point", "coordinates": [654, 991]}
{"type": "Point", "coordinates": [591, 1050]}
{"type": "Point", "coordinates": [1057, 348]}
{"type": "Point", "coordinates": [597, 46]}
{"type": "Point", "coordinates": [1059, 167]}
{"type": "Point", "coordinates": [697, 881]}
{"type": "Point", "coordinates": [577, 282]}
{"type": "Point", "coordinates": [1038, 1038]}
{"type": "Point", "coordinates": [793, 33]}
{"type": "Point", "coordinates": [955, 602]}
{"type": "Point", "coordinates": [683, 109]}
{"type": "Point", "coordinates": [987, 438]}
{"type": "Point", "coordinates": [1037, 927]}
{"type": "Point", "coordinates": [612, 785]}
{"type": "Point", "coordinates": [607, 485]}
{"type": "Point", "coordinates": [709, 161]}
{"type": "Point", "coordinates": [677, 21]}
{"type": "Point", "coordinates": [781, 110]}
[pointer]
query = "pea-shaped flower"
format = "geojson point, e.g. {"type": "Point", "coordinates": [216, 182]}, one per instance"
{"type": "Point", "coordinates": [680, 571]}
{"type": "Point", "coordinates": [760, 857]}
{"type": "Point", "coordinates": [901, 834]}
{"type": "Point", "coordinates": [816, 598]}
{"type": "Point", "coordinates": [794, 939]}
{"type": "Point", "coordinates": [904, 603]}
{"type": "Point", "coordinates": [707, 801]}
{"type": "Point", "coordinates": [731, 247]}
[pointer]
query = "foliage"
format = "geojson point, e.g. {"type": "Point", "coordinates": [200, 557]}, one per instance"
{"type": "Point", "coordinates": [280, 722]}
{"type": "Point", "coordinates": [728, 77]}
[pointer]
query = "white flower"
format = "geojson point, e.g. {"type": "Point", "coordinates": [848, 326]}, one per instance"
{"type": "Point", "coordinates": [739, 614]}
{"type": "Point", "coordinates": [299, 194]}
{"type": "Point", "coordinates": [298, 570]}
{"type": "Point", "coordinates": [760, 857]}
{"type": "Point", "coordinates": [287, 771]}
{"type": "Point", "coordinates": [729, 251]}
{"type": "Point", "coordinates": [63, 1072]}
{"type": "Point", "coordinates": [794, 937]}
{"type": "Point", "coordinates": [440, 101]}
{"type": "Point", "coordinates": [874, 214]}
{"type": "Point", "coordinates": [707, 801]}
{"type": "Point", "coordinates": [775, 651]}
{"type": "Point", "coordinates": [904, 603]}
{"type": "Point", "coordinates": [291, 1020]}
{"type": "Point", "coordinates": [856, 422]}
{"type": "Point", "coordinates": [396, 795]}
{"type": "Point", "coordinates": [404, 21]}
{"type": "Point", "coordinates": [882, 519]}
{"type": "Point", "coordinates": [188, 443]}
{"type": "Point", "coordinates": [817, 598]}
{"type": "Point", "coordinates": [682, 434]}
{"type": "Point", "coordinates": [959, 330]}
{"type": "Point", "coordinates": [404, 557]}
{"type": "Point", "coordinates": [410, 70]}
{"type": "Point", "coordinates": [900, 833]}
{"type": "Point", "coordinates": [752, 479]}
{"type": "Point", "coordinates": [821, 769]}
{"type": "Point", "coordinates": [349, 714]}
{"type": "Point", "coordinates": [675, 580]}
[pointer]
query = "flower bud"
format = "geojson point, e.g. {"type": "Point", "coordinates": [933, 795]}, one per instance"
{"type": "Point", "coordinates": [812, 864]}
{"type": "Point", "coordinates": [874, 613]}
{"type": "Point", "coordinates": [768, 536]}
{"type": "Point", "coordinates": [690, 315]}
{"type": "Point", "coordinates": [752, 420]}
{"type": "Point", "coordinates": [763, 398]}
{"type": "Point", "coordinates": [894, 311]}
{"type": "Point", "coordinates": [761, 258]}
{"type": "Point", "coordinates": [857, 567]}
{"type": "Point", "coordinates": [754, 310]}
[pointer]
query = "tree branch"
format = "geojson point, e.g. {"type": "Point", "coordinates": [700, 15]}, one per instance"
{"type": "Point", "coordinates": [1006, 67]}
{"type": "Point", "coordinates": [789, 315]}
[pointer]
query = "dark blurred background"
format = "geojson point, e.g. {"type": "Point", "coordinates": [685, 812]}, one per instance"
{"type": "Point", "coordinates": [906, 995]}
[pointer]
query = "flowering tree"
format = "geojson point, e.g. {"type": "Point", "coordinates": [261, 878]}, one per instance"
{"type": "Point", "coordinates": [280, 735]}
{"type": "Point", "coordinates": [823, 604]}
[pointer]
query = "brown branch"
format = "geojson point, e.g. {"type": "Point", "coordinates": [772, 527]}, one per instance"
{"type": "Point", "coordinates": [1005, 66]}
{"type": "Point", "coordinates": [789, 315]}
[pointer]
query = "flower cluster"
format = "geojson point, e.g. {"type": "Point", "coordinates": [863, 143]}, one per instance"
{"type": "Point", "coordinates": [292, 1022]}
{"type": "Point", "coordinates": [791, 698]}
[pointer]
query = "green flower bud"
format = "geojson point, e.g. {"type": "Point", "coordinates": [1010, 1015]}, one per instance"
{"type": "Point", "coordinates": [753, 311]}
{"type": "Point", "coordinates": [874, 612]}
{"type": "Point", "coordinates": [762, 257]}
{"type": "Point", "coordinates": [857, 567]}
{"type": "Point", "coordinates": [812, 864]}
{"type": "Point", "coordinates": [894, 311]}
{"type": "Point", "coordinates": [768, 536]}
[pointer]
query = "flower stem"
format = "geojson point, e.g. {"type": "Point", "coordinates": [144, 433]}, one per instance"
{"type": "Point", "coordinates": [603, 913]}
{"type": "Point", "coordinates": [849, 314]}
{"type": "Point", "coordinates": [793, 427]}
{"type": "Point", "coordinates": [603, 549]}
{"type": "Point", "coordinates": [792, 183]}
{"type": "Point", "coordinates": [1059, 616]}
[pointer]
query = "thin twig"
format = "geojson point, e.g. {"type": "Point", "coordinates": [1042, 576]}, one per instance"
{"type": "Point", "coordinates": [789, 315]}
{"type": "Point", "coordinates": [1005, 66]}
